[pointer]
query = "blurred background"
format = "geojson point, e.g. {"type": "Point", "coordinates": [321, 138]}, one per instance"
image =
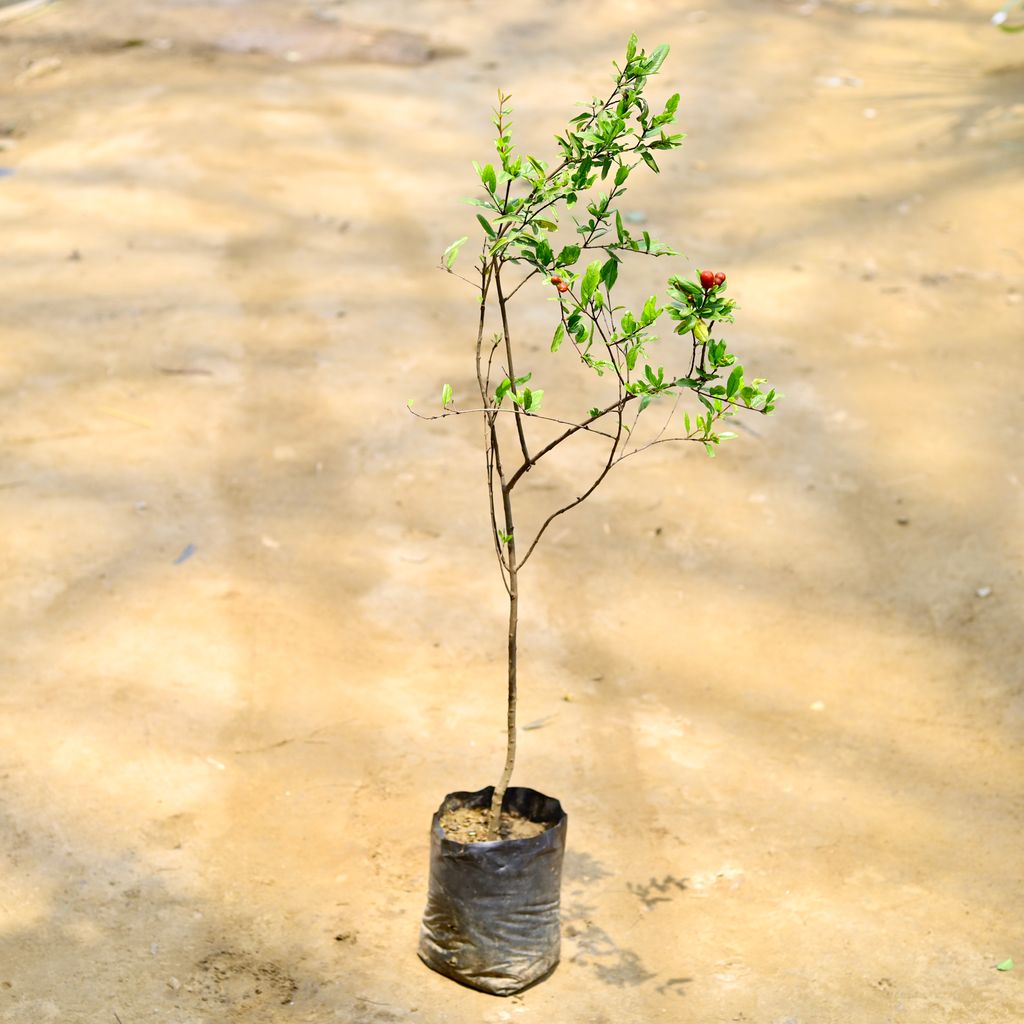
{"type": "Point", "coordinates": [252, 629]}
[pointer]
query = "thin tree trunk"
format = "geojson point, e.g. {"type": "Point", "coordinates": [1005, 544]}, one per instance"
{"type": "Point", "coordinates": [510, 754]}
{"type": "Point", "coordinates": [513, 623]}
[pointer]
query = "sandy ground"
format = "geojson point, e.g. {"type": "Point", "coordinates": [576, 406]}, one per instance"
{"type": "Point", "coordinates": [252, 630]}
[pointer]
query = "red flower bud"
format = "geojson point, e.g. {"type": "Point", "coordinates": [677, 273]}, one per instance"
{"type": "Point", "coordinates": [555, 279]}
{"type": "Point", "coordinates": [707, 279]}
{"type": "Point", "coordinates": [563, 287]}
{"type": "Point", "coordinates": [719, 278]}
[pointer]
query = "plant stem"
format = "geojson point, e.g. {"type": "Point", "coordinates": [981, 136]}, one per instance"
{"type": "Point", "coordinates": [513, 624]}
{"type": "Point", "coordinates": [508, 357]}
{"type": "Point", "coordinates": [510, 751]}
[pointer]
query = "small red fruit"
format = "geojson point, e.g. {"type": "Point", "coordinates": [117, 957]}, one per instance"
{"type": "Point", "coordinates": [563, 287]}
{"type": "Point", "coordinates": [707, 279]}
{"type": "Point", "coordinates": [719, 278]}
{"type": "Point", "coordinates": [555, 279]}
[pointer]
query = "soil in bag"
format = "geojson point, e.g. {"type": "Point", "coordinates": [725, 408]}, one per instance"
{"type": "Point", "coordinates": [492, 917]}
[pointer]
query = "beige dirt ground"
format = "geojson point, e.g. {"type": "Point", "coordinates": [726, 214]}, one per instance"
{"type": "Point", "coordinates": [221, 224]}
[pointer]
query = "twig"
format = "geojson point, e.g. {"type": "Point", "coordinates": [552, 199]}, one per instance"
{"type": "Point", "coordinates": [521, 283]}
{"type": "Point", "coordinates": [498, 411]}
{"type": "Point", "coordinates": [651, 444]}
{"type": "Point", "coordinates": [448, 270]}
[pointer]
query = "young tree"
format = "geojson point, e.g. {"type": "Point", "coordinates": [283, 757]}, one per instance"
{"type": "Point", "coordinates": [525, 202]}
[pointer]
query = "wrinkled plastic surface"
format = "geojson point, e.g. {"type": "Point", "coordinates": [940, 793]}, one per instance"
{"type": "Point", "coordinates": [492, 917]}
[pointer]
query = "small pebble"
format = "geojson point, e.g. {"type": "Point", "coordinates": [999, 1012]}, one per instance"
{"type": "Point", "coordinates": [983, 591]}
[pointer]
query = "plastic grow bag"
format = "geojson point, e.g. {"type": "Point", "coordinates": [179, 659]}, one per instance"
{"type": "Point", "coordinates": [492, 908]}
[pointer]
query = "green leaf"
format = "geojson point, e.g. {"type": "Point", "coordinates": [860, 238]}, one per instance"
{"type": "Point", "coordinates": [504, 537]}
{"type": "Point", "coordinates": [483, 223]}
{"type": "Point", "coordinates": [610, 272]}
{"type": "Point", "coordinates": [594, 412]}
{"type": "Point", "coordinates": [631, 47]}
{"type": "Point", "coordinates": [700, 332]}
{"type": "Point", "coordinates": [488, 177]}
{"type": "Point", "coordinates": [686, 421]}
{"type": "Point", "coordinates": [690, 287]}
{"type": "Point", "coordinates": [590, 279]}
{"type": "Point", "coordinates": [557, 340]}
{"type": "Point", "coordinates": [621, 174]}
{"type": "Point", "coordinates": [710, 449]}
{"type": "Point", "coordinates": [532, 399]}
{"type": "Point", "coordinates": [673, 104]}
{"type": "Point", "coordinates": [568, 256]}
{"type": "Point", "coordinates": [1006, 965]}
{"type": "Point", "coordinates": [650, 311]}
{"type": "Point", "coordinates": [656, 59]}
{"type": "Point", "coordinates": [619, 229]}
{"type": "Point", "coordinates": [650, 161]}
{"type": "Point", "coordinates": [646, 401]}
{"type": "Point", "coordinates": [733, 384]}
{"type": "Point", "coordinates": [446, 396]}
{"type": "Point", "coordinates": [452, 251]}
{"type": "Point", "coordinates": [410, 401]}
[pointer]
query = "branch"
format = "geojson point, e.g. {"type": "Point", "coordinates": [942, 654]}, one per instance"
{"type": "Point", "coordinates": [527, 466]}
{"type": "Point", "coordinates": [533, 415]}
{"type": "Point", "coordinates": [508, 355]}
{"type": "Point", "coordinates": [521, 283]}
{"type": "Point", "coordinates": [447, 270]}
{"type": "Point", "coordinates": [507, 508]}
{"type": "Point", "coordinates": [586, 494]}
{"type": "Point", "coordinates": [664, 426]}
{"type": "Point", "coordinates": [658, 440]}
{"type": "Point", "coordinates": [503, 565]}
{"type": "Point", "coordinates": [485, 282]}
{"type": "Point", "coordinates": [490, 359]}
{"type": "Point", "coordinates": [484, 384]}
